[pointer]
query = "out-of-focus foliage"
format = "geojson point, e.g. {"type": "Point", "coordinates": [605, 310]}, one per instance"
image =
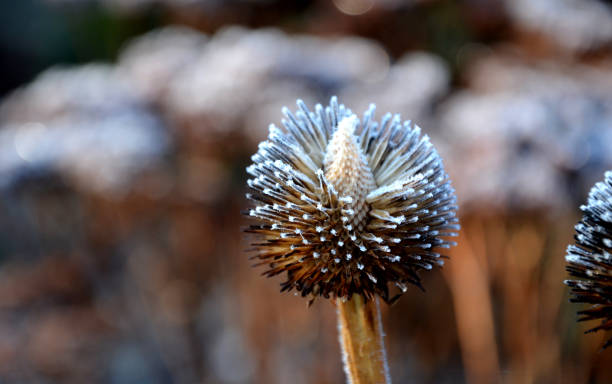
{"type": "Point", "coordinates": [122, 258]}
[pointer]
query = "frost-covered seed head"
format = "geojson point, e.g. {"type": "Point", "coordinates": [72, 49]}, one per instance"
{"type": "Point", "coordinates": [361, 193]}
{"type": "Point", "coordinates": [590, 259]}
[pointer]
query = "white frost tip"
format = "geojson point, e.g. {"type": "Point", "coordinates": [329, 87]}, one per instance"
{"type": "Point", "coordinates": [323, 270]}
{"type": "Point", "coordinates": [333, 252]}
{"type": "Point", "coordinates": [316, 255]}
{"type": "Point", "coordinates": [572, 258]}
{"type": "Point", "coordinates": [349, 124]}
{"type": "Point", "coordinates": [319, 229]}
{"type": "Point", "coordinates": [291, 219]}
{"type": "Point", "coordinates": [360, 266]}
{"type": "Point", "coordinates": [322, 238]}
{"type": "Point", "coordinates": [362, 248]}
{"type": "Point", "coordinates": [346, 199]}
{"type": "Point", "coordinates": [349, 256]}
{"type": "Point", "coordinates": [305, 216]}
{"type": "Point", "coordinates": [340, 243]}
{"type": "Point", "coordinates": [333, 232]}
{"type": "Point", "coordinates": [336, 260]}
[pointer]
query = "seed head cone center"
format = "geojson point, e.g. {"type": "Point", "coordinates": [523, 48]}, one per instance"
{"type": "Point", "coordinates": [347, 169]}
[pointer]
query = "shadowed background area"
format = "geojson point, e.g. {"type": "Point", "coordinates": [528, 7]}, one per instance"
{"type": "Point", "coordinates": [125, 129]}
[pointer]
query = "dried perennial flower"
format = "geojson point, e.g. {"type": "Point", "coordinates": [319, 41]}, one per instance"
{"type": "Point", "coordinates": [590, 260]}
{"type": "Point", "coordinates": [348, 206]}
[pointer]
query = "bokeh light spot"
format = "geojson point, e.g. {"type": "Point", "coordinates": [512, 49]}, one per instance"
{"type": "Point", "coordinates": [27, 140]}
{"type": "Point", "coordinates": [354, 7]}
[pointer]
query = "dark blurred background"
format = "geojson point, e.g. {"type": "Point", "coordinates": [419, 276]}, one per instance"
{"type": "Point", "coordinates": [125, 128]}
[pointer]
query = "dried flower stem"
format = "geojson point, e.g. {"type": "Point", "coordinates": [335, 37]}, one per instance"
{"type": "Point", "coordinates": [349, 207]}
{"type": "Point", "coordinates": [361, 338]}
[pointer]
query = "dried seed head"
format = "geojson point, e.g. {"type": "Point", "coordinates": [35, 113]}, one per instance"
{"type": "Point", "coordinates": [590, 260]}
{"type": "Point", "coordinates": [348, 206]}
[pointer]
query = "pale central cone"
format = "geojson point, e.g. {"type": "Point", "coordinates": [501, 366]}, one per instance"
{"type": "Point", "coordinates": [347, 169]}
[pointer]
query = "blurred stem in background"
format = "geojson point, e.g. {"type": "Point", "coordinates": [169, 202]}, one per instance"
{"type": "Point", "coordinates": [469, 282]}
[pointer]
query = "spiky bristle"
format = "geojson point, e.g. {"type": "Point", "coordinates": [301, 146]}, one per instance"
{"type": "Point", "coordinates": [348, 206]}
{"type": "Point", "coordinates": [590, 260]}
